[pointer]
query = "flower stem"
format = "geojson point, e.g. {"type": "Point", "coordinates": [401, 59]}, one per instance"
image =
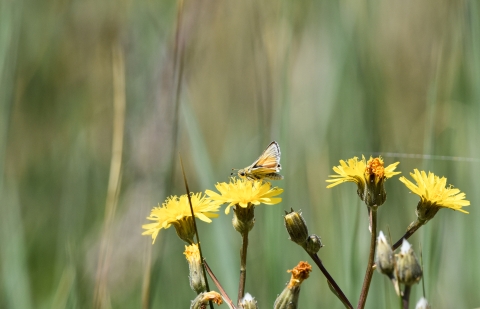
{"type": "Point", "coordinates": [332, 282]}
{"type": "Point", "coordinates": [243, 266]}
{"type": "Point", "coordinates": [406, 297]}
{"type": "Point", "coordinates": [219, 286]}
{"type": "Point", "coordinates": [369, 271]}
{"type": "Point", "coordinates": [407, 235]}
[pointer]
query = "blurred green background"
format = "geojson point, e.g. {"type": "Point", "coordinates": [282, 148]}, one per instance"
{"type": "Point", "coordinates": [217, 82]}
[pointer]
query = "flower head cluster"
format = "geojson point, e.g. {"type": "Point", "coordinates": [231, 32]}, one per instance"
{"type": "Point", "coordinates": [244, 192]}
{"type": "Point", "coordinates": [368, 175]}
{"type": "Point", "coordinates": [176, 210]}
{"type": "Point", "coordinates": [434, 194]}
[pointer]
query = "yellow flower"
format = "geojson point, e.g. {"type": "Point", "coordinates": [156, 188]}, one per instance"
{"type": "Point", "coordinates": [197, 280]}
{"type": "Point", "coordinates": [368, 175]}
{"type": "Point", "coordinates": [434, 194]}
{"type": "Point", "coordinates": [244, 192]}
{"type": "Point", "coordinates": [192, 254]}
{"type": "Point", "coordinates": [176, 210]}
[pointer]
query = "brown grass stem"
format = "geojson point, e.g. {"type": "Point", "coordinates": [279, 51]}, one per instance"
{"type": "Point", "coordinates": [219, 286]}
{"type": "Point", "coordinates": [331, 281]}
{"type": "Point", "coordinates": [369, 272]}
{"type": "Point", "coordinates": [195, 226]}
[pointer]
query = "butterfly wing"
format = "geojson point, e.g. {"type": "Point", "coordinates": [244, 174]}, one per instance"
{"type": "Point", "coordinates": [266, 166]}
{"type": "Point", "coordinates": [269, 160]}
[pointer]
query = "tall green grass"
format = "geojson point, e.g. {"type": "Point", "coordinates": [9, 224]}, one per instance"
{"type": "Point", "coordinates": [327, 80]}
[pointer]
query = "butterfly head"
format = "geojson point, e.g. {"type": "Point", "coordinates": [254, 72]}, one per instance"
{"type": "Point", "coordinates": [242, 173]}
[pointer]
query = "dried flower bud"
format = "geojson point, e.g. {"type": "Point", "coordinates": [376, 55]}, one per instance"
{"type": "Point", "coordinates": [314, 243]}
{"type": "Point", "coordinates": [243, 218]}
{"type": "Point", "coordinates": [384, 256]}
{"type": "Point", "coordinates": [202, 300]}
{"type": "Point", "coordinates": [248, 302]}
{"type": "Point", "coordinates": [289, 296]}
{"type": "Point", "coordinates": [422, 304]}
{"type": "Point", "coordinates": [197, 280]}
{"type": "Point", "coordinates": [408, 269]}
{"type": "Point", "coordinates": [296, 227]}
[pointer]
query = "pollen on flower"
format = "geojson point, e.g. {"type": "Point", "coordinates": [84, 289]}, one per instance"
{"type": "Point", "coordinates": [192, 253]}
{"type": "Point", "coordinates": [375, 167]}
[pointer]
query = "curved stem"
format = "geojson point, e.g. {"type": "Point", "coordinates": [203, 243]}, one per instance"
{"type": "Point", "coordinates": [407, 235]}
{"type": "Point", "coordinates": [330, 280]}
{"type": "Point", "coordinates": [369, 271]}
{"type": "Point", "coordinates": [243, 267]}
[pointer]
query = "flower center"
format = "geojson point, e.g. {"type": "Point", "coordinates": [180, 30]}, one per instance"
{"type": "Point", "coordinates": [375, 167]}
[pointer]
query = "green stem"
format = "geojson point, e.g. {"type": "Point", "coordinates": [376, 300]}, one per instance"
{"type": "Point", "coordinates": [243, 267]}
{"type": "Point", "coordinates": [369, 271]}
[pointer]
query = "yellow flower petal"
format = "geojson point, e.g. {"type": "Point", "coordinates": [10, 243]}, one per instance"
{"type": "Point", "coordinates": [434, 192]}
{"type": "Point", "coordinates": [243, 192]}
{"type": "Point", "coordinates": [174, 209]}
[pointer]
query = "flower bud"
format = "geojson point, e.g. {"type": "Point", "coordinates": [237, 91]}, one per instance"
{"type": "Point", "coordinates": [289, 296]}
{"type": "Point", "coordinates": [422, 304]}
{"type": "Point", "coordinates": [314, 243]}
{"type": "Point", "coordinates": [197, 280]}
{"type": "Point", "coordinates": [248, 302]}
{"type": "Point", "coordinates": [296, 227]}
{"type": "Point", "coordinates": [243, 218]}
{"type": "Point", "coordinates": [202, 300]}
{"type": "Point", "coordinates": [408, 269]}
{"type": "Point", "coordinates": [384, 256]}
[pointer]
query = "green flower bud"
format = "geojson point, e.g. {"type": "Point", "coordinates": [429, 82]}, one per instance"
{"type": "Point", "coordinates": [296, 228]}
{"type": "Point", "coordinates": [384, 256]}
{"type": "Point", "coordinates": [408, 269]}
{"type": "Point", "coordinates": [314, 243]}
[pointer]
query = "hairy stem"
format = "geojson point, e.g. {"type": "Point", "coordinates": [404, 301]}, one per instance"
{"type": "Point", "coordinates": [369, 271]}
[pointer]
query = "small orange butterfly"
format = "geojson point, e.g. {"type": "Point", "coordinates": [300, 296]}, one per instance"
{"type": "Point", "coordinates": [266, 166]}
